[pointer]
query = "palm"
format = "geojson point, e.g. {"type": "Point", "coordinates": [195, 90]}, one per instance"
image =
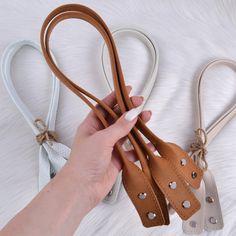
{"type": "Point", "coordinates": [103, 168]}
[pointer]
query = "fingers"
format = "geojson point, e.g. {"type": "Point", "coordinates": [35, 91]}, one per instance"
{"type": "Point", "coordinates": [145, 116]}
{"type": "Point", "coordinates": [137, 101]}
{"type": "Point", "coordinates": [131, 156]}
{"type": "Point", "coordinates": [109, 100]}
{"type": "Point", "coordinates": [120, 128]}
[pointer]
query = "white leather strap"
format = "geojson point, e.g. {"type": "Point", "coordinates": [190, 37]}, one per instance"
{"type": "Point", "coordinates": [193, 226]}
{"type": "Point", "coordinates": [211, 212]}
{"type": "Point", "coordinates": [153, 49]}
{"type": "Point", "coordinates": [52, 155]}
{"type": "Point", "coordinates": [146, 91]}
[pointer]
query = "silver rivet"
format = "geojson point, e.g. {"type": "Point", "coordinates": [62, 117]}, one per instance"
{"type": "Point", "coordinates": [52, 175]}
{"type": "Point", "coordinates": [142, 196]}
{"type": "Point", "coordinates": [151, 215]}
{"type": "Point", "coordinates": [194, 174]}
{"type": "Point", "coordinates": [172, 185]}
{"type": "Point", "coordinates": [210, 199]}
{"type": "Point", "coordinates": [110, 193]}
{"type": "Point", "coordinates": [183, 162]}
{"type": "Point", "coordinates": [193, 224]}
{"type": "Point", "coordinates": [186, 204]}
{"type": "Point", "coordinates": [213, 220]}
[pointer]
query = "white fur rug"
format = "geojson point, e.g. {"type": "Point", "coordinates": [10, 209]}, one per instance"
{"type": "Point", "coordinates": [189, 33]}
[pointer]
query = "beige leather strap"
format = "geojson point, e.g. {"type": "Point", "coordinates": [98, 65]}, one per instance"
{"type": "Point", "coordinates": [216, 127]}
{"type": "Point", "coordinates": [211, 212]}
{"type": "Point", "coordinates": [167, 175]}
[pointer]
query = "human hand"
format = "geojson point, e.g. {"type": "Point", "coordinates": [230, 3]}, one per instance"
{"type": "Point", "coordinates": [84, 181]}
{"type": "Point", "coordinates": [93, 158]}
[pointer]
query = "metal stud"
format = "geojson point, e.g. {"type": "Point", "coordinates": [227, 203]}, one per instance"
{"type": "Point", "coordinates": [183, 162]}
{"type": "Point", "coordinates": [213, 220]}
{"type": "Point", "coordinates": [52, 175]}
{"type": "Point", "coordinates": [194, 174]}
{"type": "Point", "coordinates": [151, 215]}
{"type": "Point", "coordinates": [142, 196]}
{"type": "Point", "coordinates": [186, 204]}
{"type": "Point", "coordinates": [173, 185]}
{"type": "Point", "coordinates": [110, 193]}
{"type": "Point", "coordinates": [193, 224]}
{"type": "Point", "coordinates": [210, 199]}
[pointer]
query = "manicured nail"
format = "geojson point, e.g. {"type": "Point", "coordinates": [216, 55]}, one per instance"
{"type": "Point", "coordinates": [150, 112]}
{"type": "Point", "coordinates": [140, 99]}
{"type": "Point", "coordinates": [129, 87]}
{"type": "Point", "coordinates": [132, 114]}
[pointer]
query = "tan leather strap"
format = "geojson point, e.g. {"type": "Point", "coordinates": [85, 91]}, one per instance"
{"type": "Point", "coordinates": [146, 89]}
{"type": "Point", "coordinates": [167, 175]}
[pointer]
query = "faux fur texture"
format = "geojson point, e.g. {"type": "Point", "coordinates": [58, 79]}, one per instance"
{"type": "Point", "coordinates": [189, 33]}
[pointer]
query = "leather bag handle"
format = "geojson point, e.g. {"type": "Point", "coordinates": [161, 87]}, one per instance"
{"type": "Point", "coordinates": [167, 175]}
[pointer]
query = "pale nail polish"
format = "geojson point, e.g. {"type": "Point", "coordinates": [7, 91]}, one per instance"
{"type": "Point", "coordinates": [132, 114]}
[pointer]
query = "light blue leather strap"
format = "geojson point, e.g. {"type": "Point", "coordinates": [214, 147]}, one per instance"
{"type": "Point", "coordinates": [52, 155]}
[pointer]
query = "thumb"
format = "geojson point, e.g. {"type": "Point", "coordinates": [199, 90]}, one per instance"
{"type": "Point", "coordinates": [121, 127]}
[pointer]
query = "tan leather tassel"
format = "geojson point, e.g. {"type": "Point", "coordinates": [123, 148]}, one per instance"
{"type": "Point", "coordinates": [160, 177]}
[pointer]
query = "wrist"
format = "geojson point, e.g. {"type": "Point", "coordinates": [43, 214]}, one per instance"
{"type": "Point", "coordinates": [80, 184]}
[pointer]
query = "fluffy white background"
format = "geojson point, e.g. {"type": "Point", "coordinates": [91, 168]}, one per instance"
{"type": "Point", "coordinates": [189, 33]}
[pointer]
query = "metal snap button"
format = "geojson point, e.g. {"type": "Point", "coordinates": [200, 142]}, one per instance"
{"type": "Point", "coordinates": [142, 196]}
{"type": "Point", "coordinates": [193, 224]}
{"type": "Point", "coordinates": [183, 162]}
{"type": "Point", "coordinates": [151, 215]}
{"type": "Point", "coordinates": [52, 175]}
{"type": "Point", "coordinates": [213, 220]}
{"type": "Point", "coordinates": [194, 175]}
{"type": "Point", "coordinates": [186, 204]}
{"type": "Point", "coordinates": [173, 185]}
{"type": "Point", "coordinates": [210, 199]}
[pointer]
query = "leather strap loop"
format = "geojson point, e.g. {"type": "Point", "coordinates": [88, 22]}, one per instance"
{"type": "Point", "coordinates": [158, 174]}
{"type": "Point", "coordinates": [52, 155]}
{"type": "Point", "coordinates": [145, 92]}
{"type": "Point", "coordinates": [211, 211]}
{"type": "Point", "coordinates": [216, 127]}
{"type": "Point", "coordinates": [153, 50]}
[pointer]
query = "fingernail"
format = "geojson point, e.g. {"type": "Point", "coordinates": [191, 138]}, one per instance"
{"type": "Point", "coordinates": [128, 87]}
{"type": "Point", "coordinates": [150, 112]}
{"type": "Point", "coordinates": [132, 114]}
{"type": "Point", "coordinates": [140, 99]}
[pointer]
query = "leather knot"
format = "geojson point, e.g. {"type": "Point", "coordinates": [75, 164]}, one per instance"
{"type": "Point", "coordinates": [198, 148]}
{"type": "Point", "coordinates": [45, 134]}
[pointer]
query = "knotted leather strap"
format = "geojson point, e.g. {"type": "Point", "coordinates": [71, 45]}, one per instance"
{"type": "Point", "coordinates": [145, 92]}
{"type": "Point", "coordinates": [209, 217]}
{"type": "Point", "coordinates": [52, 155]}
{"type": "Point", "coordinates": [165, 175]}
